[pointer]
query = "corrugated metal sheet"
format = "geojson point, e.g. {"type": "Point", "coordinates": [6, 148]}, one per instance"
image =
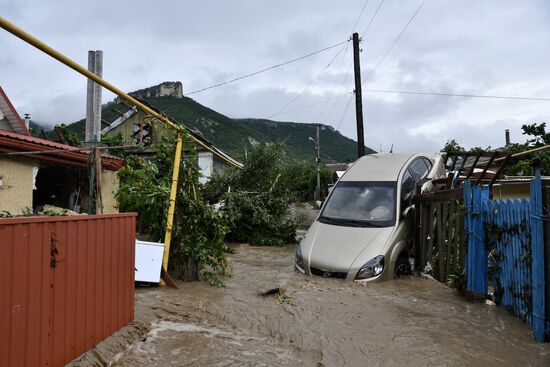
{"type": "Point", "coordinates": [11, 142]}
{"type": "Point", "coordinates": [66, 282]}
{"type": "Point", "coordinates": [509, 233]}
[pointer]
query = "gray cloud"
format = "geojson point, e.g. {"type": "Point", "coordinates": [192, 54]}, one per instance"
{"type": "Point", "coordinates": [478, 47]}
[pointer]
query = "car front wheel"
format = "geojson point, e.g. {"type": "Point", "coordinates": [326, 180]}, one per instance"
{"type": "Point", "coordinates": [402, 267]}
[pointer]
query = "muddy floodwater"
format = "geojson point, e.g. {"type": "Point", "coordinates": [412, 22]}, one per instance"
{"type": "Point", "coordinates": [322, 322]}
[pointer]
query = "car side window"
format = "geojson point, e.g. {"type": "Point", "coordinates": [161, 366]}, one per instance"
{"type": "Point", "coordinates": [419, 169]}
{"type": "Point", "coordinates": [428, 163]}
{"type": "Point", "coordinates": [408, 185]}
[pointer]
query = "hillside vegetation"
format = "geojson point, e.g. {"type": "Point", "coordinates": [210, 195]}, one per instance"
{"type": "Point", "coordinates": [237, 135]}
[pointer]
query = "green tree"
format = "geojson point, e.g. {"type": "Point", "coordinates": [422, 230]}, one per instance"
{"type": "Point", "coordinates": [453, 146]}
{"type": "Point", "coordinates": [198, 249]}
{"type": "Point", "coordinates": [526, 165]}
{"type": "Point", "coordinates": [258, 197]}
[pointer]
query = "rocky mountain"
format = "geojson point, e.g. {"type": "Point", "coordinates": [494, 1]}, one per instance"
{"type": "Point", "coordinates": [235, 135]}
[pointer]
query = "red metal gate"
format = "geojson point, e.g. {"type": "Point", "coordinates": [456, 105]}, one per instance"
{"type": "Point", "coordinates": [66, 283]}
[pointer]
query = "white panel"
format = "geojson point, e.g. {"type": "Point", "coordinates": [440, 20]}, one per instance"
{"type": "Point", "coordinates": [148, 261]}
{"type": "Point", "coordinates": [205, 166]}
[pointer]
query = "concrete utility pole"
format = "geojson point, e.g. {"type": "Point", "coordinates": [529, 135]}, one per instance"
{"type": "Point", "coordinates": [93, 99]}
{"type": "Point", "coordinates": [318, 164]}
{"type": "Point", "coordinates": [358, 97]}
{"type": "Point", "coordinates": [317, 194]}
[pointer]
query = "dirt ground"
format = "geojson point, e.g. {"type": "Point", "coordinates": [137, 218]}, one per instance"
{"type": "Point", "coordinates": [321, 322]}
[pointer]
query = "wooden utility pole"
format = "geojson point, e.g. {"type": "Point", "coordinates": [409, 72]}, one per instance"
{"type": "Point", "coordinates": [358, 97]}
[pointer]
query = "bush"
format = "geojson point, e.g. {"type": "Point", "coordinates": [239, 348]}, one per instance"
{"type": "Point", "coordinates": [198, 250]}
{"type": "Point", "coordinates": [258, 197]}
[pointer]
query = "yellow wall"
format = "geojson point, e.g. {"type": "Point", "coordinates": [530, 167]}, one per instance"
{"type": "Point", "coordinates": [126, 129]}
{"type": "Point", "coordinates": [109, 187]}
{"type": "Point", "coordinates": [16, 190]}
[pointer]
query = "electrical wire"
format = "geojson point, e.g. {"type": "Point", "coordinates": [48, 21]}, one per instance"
{"type": "Point", "coordinates": [458, 95]}
{"type": "Point", "coordinates": [395, 40]}
{"type": "Point", "coordinates": [341, 90]}
{"type": "Point", "coordinates": [305, 107]}
{"type": "Point", "coordinates": [333, 89]}
{"type": "Point", "coordinates": [345, 112]}
{"type": "Point", "coordinates": [360, 15]}
{"type": "Point", "coordinates": [266, 69]}
{"type": "Point", "coordinates": [372, 19]}
{"type": "Point", "coordinates": [325, 102]}
{"type": "Point", "coordinates": [279, 111]}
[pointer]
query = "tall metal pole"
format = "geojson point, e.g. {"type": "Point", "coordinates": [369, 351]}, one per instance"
{"type": "Point", "coordinates": [172, 203]}
{"type": "Point", "coordinates": [318, 160]}
{"type": "Point", "coordinates": [358, 97]}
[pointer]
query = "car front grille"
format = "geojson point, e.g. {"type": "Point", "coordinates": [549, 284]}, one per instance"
{"type": "Point", "coordinates": [328, 273]}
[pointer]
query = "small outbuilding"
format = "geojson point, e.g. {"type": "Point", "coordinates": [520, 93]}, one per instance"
{"type": "Point", "coordinates": [36, 172]}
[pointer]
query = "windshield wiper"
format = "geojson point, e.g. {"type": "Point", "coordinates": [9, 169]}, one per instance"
{"type": "Point", "coordinates": [341, 222]}
{"type": "Point", "coordinates": [351, 222]}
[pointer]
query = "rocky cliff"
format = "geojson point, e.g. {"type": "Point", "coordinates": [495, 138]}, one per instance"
{"type": "Point", "coordinates": [166, 89]}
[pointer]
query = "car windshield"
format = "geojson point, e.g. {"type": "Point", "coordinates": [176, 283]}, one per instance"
{"type": "Point", "coordinates": [361, 204]}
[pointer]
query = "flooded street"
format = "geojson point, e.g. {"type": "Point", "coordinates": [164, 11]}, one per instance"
{"type": "Point", "coordinates": [322, 322]}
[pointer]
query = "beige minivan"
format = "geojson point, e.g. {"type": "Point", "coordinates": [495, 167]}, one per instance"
{"type": "Point", "coordinates": [363, 230]}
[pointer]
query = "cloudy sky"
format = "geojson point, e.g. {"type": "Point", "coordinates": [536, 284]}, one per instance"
{"type": "Point", "coordinates": [483, 47]}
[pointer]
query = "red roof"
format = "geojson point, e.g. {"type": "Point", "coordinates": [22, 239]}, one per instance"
{"type": "Point", "coordinates": [56, 152]}
{"type": "Point", "coordinates": [11, 114]}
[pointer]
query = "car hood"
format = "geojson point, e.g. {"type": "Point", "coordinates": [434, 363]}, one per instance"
{"type": "Point", "coordinates": [332, 247]}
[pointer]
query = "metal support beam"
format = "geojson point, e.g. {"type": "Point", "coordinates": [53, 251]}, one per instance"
{"type": "Point", "coordinates": [172, 205]}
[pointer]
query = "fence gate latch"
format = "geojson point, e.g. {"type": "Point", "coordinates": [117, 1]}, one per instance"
{"type": "Point", "coordinates": [53, 251]}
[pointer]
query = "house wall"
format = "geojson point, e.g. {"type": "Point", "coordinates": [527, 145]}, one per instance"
{"type": "Point", "coordinates": [5, 125]}
{"type": "Point", "coordinates": [219, 166]}
{"type": "Point", "coordinates": [109, 186]}
{"type": "Point", "coordinates": [17, 187]}
{"type": "Point", "coordinates": [126, 129]}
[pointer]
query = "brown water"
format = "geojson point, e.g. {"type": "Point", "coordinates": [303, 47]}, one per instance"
{"type": "Point", "coordinates": [322, 322]}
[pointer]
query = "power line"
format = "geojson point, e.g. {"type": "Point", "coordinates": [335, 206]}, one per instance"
{"type": "Point", "coordinates": [360, 15]}
{"type": "Point", "coordinates": [304, 107]}
{"type": "Point", "coordinates": [458, 95]}
{"type": "Point", "coordinates": [307, 86]}
{"type": "Point", "coordinates": [266, 69]}
{"type": "Point", "coordinates": [372, 19]}
{"type": "Point", "coordinates": [325, 102]}
{"type": "Point", "coordinates": [345, 112]}
{"type": "Point", "coordinates": [396, 40]}
{"type": "Point", "coordinates": [333, 87]}
{"type": "Point", "coordinates": [341, 90]}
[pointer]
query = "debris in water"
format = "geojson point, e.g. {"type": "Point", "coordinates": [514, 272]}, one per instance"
{"type": "Point", "coordinates": [280, 294]}
{"type": "Point", "coordinates": [283, 298]}
{"type": "Point", "coordinates": [270, 292]}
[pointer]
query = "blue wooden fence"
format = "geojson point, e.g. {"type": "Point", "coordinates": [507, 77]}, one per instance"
{"type": "Point", "coordinates": [506, 248]}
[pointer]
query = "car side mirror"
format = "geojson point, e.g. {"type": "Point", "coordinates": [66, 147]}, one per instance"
{"type": "Point", "coordinates": [408, 211]}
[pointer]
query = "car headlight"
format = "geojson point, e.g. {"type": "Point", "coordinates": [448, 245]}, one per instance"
{"type": "Point", "coordinates": [299, 259]}
{"type": "Point", "coordinates": [372, 268]}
